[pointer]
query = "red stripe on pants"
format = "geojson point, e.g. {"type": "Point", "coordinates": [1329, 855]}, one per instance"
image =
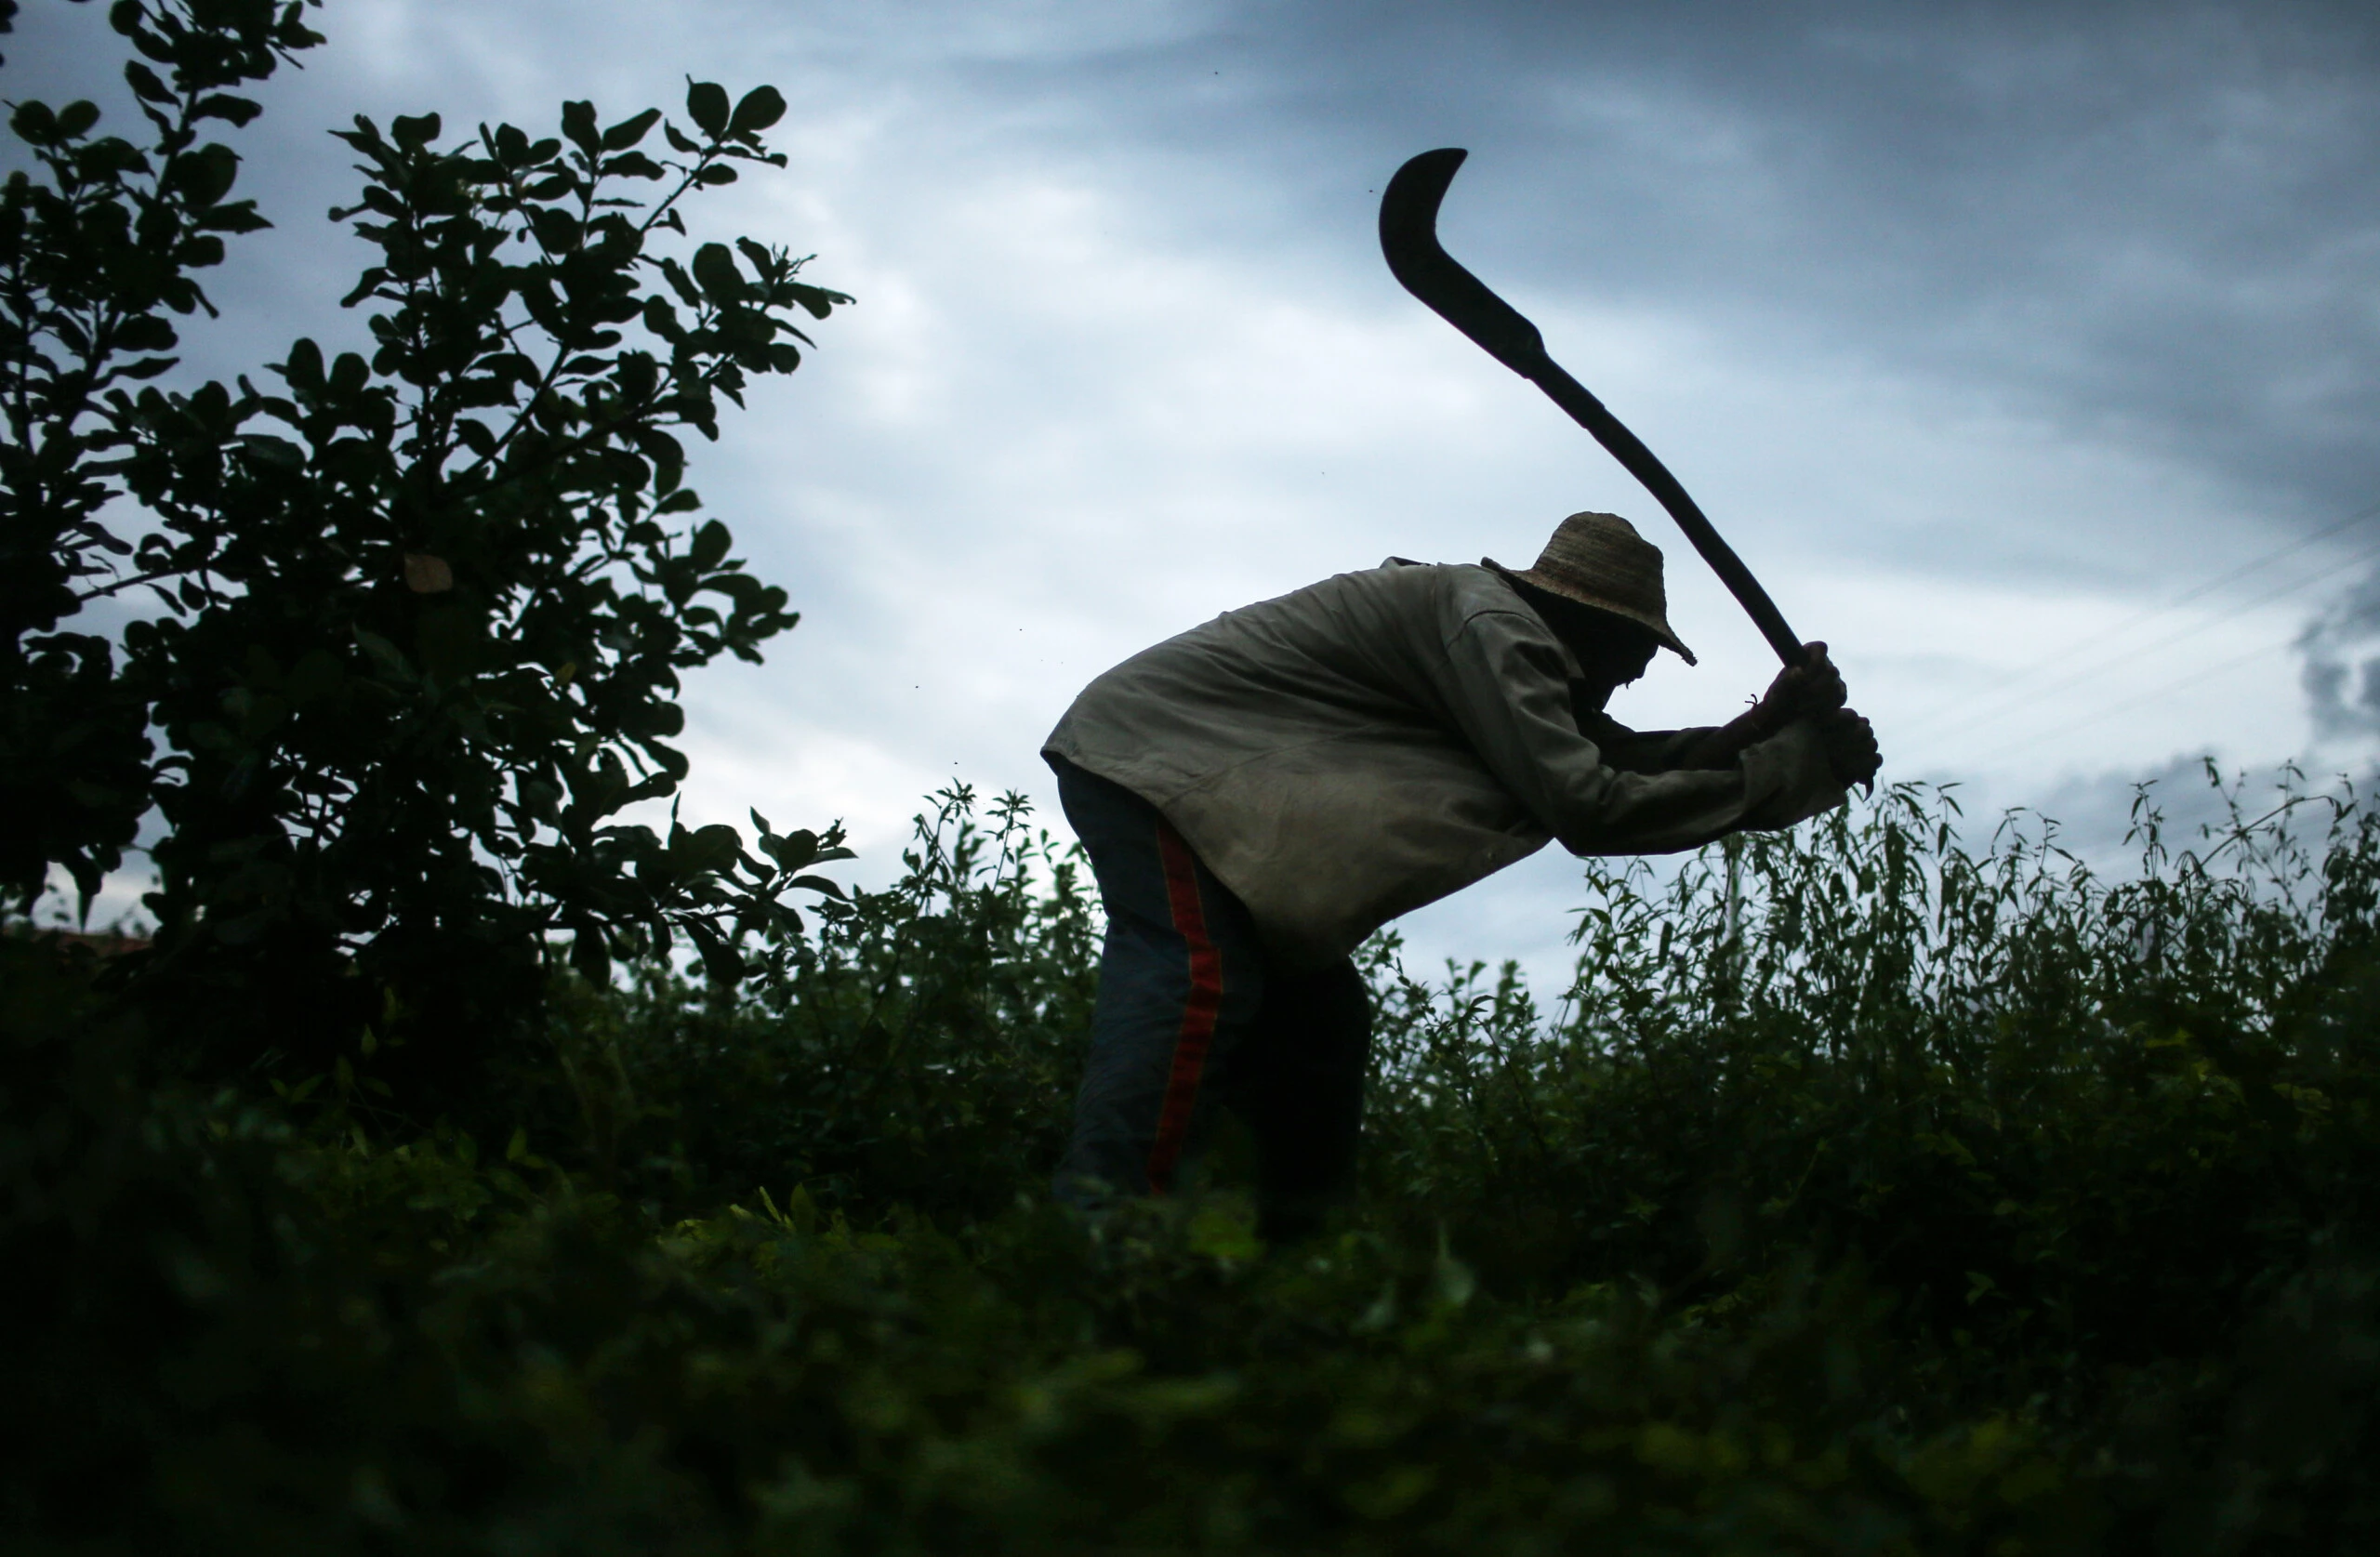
{"type": "Point", "coordinates": [1197, 1013]}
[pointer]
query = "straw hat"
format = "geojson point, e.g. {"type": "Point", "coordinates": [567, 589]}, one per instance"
{"type": "Point", "coordinates": [1600, 561]}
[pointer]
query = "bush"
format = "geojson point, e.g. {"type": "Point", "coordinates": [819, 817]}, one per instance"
{"type": "Point", "coordinates": [919, 1048]}
{"type": "Point", "coordinates": [2028, 1097]}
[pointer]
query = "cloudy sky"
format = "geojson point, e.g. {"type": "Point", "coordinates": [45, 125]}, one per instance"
{"type": "Point", "coordinates": [2027, 351]}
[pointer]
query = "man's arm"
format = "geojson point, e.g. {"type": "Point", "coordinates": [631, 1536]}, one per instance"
{"type": "Point", "coordinates": [1799, 691]}
{"type": "Point", "coordinates": [1814, 692]}
{"type": "Point", "coordinates": [1643, 751]}
{"type": "Point", "coordinates": [1507, 686]}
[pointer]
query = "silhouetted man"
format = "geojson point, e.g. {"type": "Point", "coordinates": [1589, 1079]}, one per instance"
{"type": "Point", "coordinates": [1260, 794]}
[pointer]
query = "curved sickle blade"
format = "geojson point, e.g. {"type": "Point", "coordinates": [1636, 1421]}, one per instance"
{"type": "Point", "coordinates": [1408, 239]}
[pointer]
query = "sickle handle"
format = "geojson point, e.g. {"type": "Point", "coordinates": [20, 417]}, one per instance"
{"type": "Point", "coordinates": [1589, 413]}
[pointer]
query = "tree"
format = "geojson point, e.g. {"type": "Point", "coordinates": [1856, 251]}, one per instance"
{"type": "Point", "coordinates": [422, 609]}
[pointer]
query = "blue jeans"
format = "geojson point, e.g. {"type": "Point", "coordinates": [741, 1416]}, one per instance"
{"type": "Point", "coordinates": [1191, 1020]}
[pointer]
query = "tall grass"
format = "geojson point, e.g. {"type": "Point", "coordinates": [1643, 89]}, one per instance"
{"type": "Point", "coordinates": [2042, 1106]}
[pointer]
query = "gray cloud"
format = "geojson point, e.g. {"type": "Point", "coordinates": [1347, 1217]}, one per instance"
{"type": "Point", "coordinates": [2342, 670]}
{"type": "Point", "coordinates": [2156, 222]}
{"type": "Point", "coordinates": [2153, 224]}
{"type": "Point", "coordinates": [1978, 325]}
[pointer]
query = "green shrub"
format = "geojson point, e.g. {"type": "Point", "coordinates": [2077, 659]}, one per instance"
{"type": "Point", "coordinates": [262, 1339]}
{"type": "Point", "coordinates": [920, 1048]}
{"type": "Point", "coordinates": [2078, 1117]}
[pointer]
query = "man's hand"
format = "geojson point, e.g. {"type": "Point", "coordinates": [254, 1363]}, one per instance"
{"type": "Point", "coordinates": [1800, 691]}
{"type": "Point", "coordinates": [1850, 743]}
{"type": "Point", "coordinates": [1812, 690]}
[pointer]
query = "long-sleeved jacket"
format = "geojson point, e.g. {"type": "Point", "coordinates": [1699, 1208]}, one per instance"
{"type": "Point", "coordinates": [1348, 752]}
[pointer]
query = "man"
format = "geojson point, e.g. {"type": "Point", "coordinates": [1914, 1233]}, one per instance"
{"type": "Point", "coordinates": [1260, 794]}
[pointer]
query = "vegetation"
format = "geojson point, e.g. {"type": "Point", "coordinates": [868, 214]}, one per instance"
{"type": "Point", "coordinates": [1869, 1193]}
{"type": "Point", "coordinates": [417, 621]}
{"type": "Point", "coordinates": [1983, 1206]}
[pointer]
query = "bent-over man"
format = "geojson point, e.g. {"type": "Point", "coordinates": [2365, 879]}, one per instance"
{"type": "Point", "coordinates": [1260, 794]}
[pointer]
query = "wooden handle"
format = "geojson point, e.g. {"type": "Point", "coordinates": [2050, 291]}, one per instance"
{"type": "Point", "coordinates": [1627, 448]}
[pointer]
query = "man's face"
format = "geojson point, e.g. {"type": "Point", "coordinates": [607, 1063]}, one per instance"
{"type": "Point", "coordinates": [1610, 660]}
{"type": "Point", "coordinates": [1611, 652]}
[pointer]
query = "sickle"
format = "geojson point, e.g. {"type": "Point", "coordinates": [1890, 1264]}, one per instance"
{"type": "Point", "coordinates": [1409, 237]}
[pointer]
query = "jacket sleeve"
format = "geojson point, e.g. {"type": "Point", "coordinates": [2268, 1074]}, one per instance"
{"type": "Point", "coordinates": [1508, 684]}
{"type": "Point", "coordinates": [1639, 751]}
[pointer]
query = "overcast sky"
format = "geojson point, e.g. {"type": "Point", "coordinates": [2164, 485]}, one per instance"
{"type": "Point", "coordinates": [2027, 351]}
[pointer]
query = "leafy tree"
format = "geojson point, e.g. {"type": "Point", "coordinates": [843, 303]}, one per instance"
{"type": "Point", "coordinates": [422, 609]}
{"type": "Point", "coordinates": [97, 249]}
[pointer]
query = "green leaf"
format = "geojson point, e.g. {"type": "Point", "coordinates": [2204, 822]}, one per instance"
{"type": "Point", "coordinates": [680, 283]}
{"type": "Point", "coordinates": [34, 123]}
{"type": "Point", "coordinates": [1225, 1232]}
{"type": "Point", "coordinates": [145, 85]}
{"type": "Point", "coordinates": [792, 850]}
{"type": "Point", "coordinates": [238, 216]}
{"type": "Point", "coordinates": [239, 110]}
{"type": "Point", "coordinates": [146, 332]}
{"type": "Point", "coordinates": [412, 132]}
{"type": "Point", "coordinates": [715, 271]}
{"type": "Point", "coordinates": [628, 132]}
{"type": "Point", "coordinates": [719, 959]}
{"type": "Point", "coordinates": [761, 107]}
{"type": "Point", "coordinates": [556, 229]}
{"type": "Point", "coordinates": [662, 320]}
{"type": "Point", "coordinates": [817, 299]}
{"type": "Point", "coordinates": [578, 126]}
{"type": "Point", "coordinates": [590, 956]}
{"type": "Point", "coordinates": [632, 164]}
{"type": "Point", "coordinates": [365, 137]}
{"type": "Point", "coordinates": [637, 375]}
{"type": "Point", "coordinates": [707, 106]}
{"type": "Point", "coordinates": [199, 251]}
{"type": "Point", "coordinates": [205, 174]}
{"type": "Point", "coordinates": [711, 544]}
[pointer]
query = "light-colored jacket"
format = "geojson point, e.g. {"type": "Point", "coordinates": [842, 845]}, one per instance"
{"type": "Point", "coordinates": [1353, 751]}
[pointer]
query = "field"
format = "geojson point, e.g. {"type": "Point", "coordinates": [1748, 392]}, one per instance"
{"type": "Point", "coordinates": [1923, 1201]}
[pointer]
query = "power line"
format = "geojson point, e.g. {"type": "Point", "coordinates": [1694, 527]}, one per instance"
{"type": "Point", "coordinates": [2155, 693]}
{"type": "Point", "coordinates": [1998, 712]}
{"type": "Point", "coordinates": [2014, 693]}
